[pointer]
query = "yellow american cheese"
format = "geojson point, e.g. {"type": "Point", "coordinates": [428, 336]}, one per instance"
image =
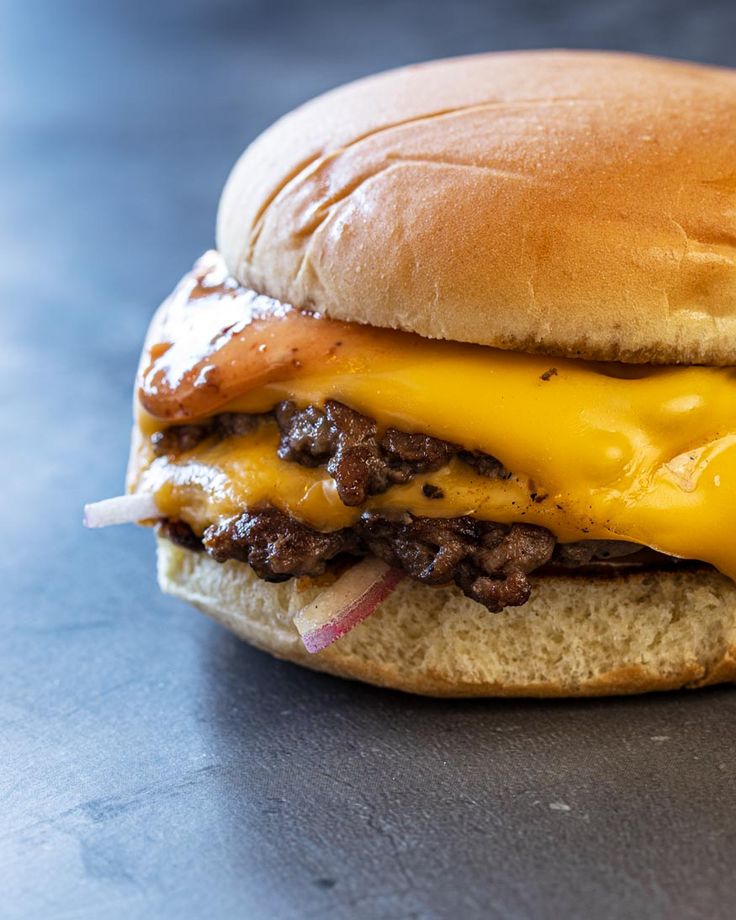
{"type": "Point", "coordinates": [640, 454]}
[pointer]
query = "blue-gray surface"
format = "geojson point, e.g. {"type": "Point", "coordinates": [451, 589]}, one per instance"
{"type": "Point", "coordinates": [151, 765]}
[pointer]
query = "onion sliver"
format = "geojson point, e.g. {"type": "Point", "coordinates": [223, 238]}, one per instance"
{"type": "Point", "coordinates": [123, 509]}
{"type": "Point", "coordinates": [339, 608]}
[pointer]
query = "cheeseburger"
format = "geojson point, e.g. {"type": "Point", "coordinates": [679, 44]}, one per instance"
{"type": "Point", "coordinates": [452, 408]}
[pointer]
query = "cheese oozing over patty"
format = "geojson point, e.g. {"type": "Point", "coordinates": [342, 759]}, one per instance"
{"type": "Point", "coordinates": [597, 451]}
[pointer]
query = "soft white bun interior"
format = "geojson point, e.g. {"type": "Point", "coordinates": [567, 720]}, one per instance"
{"type": "Point", "coordinates": [575, 637]}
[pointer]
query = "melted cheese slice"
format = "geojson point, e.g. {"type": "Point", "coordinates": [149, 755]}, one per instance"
{"type": "Point", "coordinates": [645, 455]}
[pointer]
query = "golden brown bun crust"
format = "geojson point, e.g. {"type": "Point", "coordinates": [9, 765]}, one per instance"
{"type": "Point", "coordinates": [575, 637]}
{"type": "Point", "coordinates": [575, 203]}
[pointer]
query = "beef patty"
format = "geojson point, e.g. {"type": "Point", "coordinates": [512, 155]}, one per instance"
{"type": "Point", "coordinates": [360, 460]}
{"type": "Point", "coordinates": [489, 562]}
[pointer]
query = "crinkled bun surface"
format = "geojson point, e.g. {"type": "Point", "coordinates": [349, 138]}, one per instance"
{"type": "Point", "coordinates": [575, 637]}
{"type": "Point", "coordinates": [575, 203]}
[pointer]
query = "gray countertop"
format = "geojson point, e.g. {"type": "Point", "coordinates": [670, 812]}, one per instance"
{"type": "Point", "coordinates": [153, 766]}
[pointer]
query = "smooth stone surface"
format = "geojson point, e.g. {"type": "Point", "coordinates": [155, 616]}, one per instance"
{"type": "Point", "coordinates": [153, 766]}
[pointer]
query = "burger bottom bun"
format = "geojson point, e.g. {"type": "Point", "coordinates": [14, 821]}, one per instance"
{"type": "Point", "coordinates": [577, 636]}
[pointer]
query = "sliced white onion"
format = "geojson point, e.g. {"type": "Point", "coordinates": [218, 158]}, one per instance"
{"type": "Point", "coordinates": [339, 608]}
{"type": "Point", "coordinates": [123, 509]}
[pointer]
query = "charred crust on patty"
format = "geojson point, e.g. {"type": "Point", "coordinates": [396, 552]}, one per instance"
{"type": "Point", "coordinates": [488, 561]}
{"type": "Point", "coordinates": [345, 442]}
{"type": "Point", "coordinates": [276, 546]}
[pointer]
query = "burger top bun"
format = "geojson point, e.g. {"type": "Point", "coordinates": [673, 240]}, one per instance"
{"type": "Point", "coordinates": [575, 203]}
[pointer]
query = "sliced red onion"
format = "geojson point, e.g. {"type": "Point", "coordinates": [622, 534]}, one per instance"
{"type": "Point", "coordinates": [123, 509]}
{"type": "Point", "coordinates": [339, 608]}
